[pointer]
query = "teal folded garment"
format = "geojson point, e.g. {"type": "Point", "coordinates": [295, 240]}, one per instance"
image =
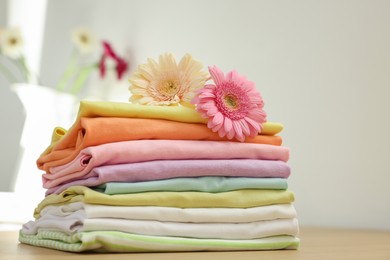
{"type": "Point", "coordinates": [204, 184]}
{"type": "Point", "coordinates": [114, 241]}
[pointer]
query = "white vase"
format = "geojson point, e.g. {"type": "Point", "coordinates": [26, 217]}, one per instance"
{"type": "Point", "coordinates": [12, 119]}
{"type": "Point", "coordinates": [45, 108]}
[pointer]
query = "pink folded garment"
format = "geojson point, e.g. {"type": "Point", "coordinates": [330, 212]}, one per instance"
{"type": "Point", "coordinates": [165, 169]}
{"type": "Point", "coordinates": [149, 150]}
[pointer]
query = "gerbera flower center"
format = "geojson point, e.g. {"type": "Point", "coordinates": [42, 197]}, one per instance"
{"type": "Point", "coordinates": [232, 101]}
{"type": "Point", "coordinates": [168, 88]}
{"type": "Point", "coordinates": [13, 41]}
{"type": "Point", "coordinates": [83, 38]}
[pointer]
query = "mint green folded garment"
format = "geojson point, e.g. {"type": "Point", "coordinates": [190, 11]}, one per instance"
{"type": "Point", "coordinates": [204, 184]}
{"type": "Point", "coordinates": [114, 241]}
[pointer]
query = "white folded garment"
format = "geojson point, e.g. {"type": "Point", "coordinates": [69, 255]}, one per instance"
{"type": "Point", "coordinates": [198, 215]}
{"type": "Point", "coordinates": [76, 222]}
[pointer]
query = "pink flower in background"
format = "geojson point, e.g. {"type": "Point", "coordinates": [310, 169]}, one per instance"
{"type": "Point", "coordinates": [108, 51]}
{"type": "Point", "coordinates": [233, 105]}
{"type": "Point", "coordinates": [121, 65]}
{"type": "Point", "coordinates": [102, 66]}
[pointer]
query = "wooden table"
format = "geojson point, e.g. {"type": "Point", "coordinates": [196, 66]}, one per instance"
{"type": "Point", "coordinates": [316, 243]}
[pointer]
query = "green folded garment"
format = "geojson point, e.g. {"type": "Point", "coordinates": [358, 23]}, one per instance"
{"type": "Point", "coordinates": [204, 184]}
{"type": "Point", "coordinates": [114, 241]}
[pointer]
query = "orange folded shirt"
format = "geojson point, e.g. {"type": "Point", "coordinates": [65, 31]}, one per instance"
{"type": "Point", "coordinates": [95, 131]}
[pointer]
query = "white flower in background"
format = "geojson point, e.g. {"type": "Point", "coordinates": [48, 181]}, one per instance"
{"type": "Point", "coordinates": [11, 42]}
{"type": "Point", "coordinates": [84, 40]}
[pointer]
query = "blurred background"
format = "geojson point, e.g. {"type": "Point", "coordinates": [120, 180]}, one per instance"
{"type": "Point", "coordinates": [322, 67]}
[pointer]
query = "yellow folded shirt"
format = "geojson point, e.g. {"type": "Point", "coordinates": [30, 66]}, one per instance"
{"type": "Point", "coordinates": [174, 113]}
{"type": "Point", "coordinates": [231, 199]}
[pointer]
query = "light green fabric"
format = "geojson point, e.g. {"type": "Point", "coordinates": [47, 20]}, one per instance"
{"type": "Point", "coordinates": [230, 199]}
{"type": "Point", "coordinates": [204, 184]}
{"type": "Point", "coordinates": [114, 241]}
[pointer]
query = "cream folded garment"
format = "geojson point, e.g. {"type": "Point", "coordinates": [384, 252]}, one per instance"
{"type": "Point", "coordinates": [165, 169]}
{"type": "Point", "coordinates": [173, 214]}
{"type": "Point", "coordinates": [249, 230]}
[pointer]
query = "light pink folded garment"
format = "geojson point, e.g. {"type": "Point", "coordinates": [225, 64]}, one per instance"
{"type": "Point", "coordinates": [165, 169]}
{"type": "Point", "coordinates": [149, 150]}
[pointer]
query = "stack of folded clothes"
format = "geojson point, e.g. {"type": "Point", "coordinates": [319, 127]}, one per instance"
{"type": "Point", "coordinates": [138, 178]}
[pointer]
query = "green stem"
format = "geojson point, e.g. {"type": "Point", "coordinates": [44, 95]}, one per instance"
{"type": "Point", "coordinates": [27, 73]}
{"type": "Point", "coordinates": [7, 73]}
{"type": "Point", "coordinates": [82, 77]}
{"type": "Point", "coordinates": [69, 71]}
{"type": "Point", "coordinates": [18, 64]}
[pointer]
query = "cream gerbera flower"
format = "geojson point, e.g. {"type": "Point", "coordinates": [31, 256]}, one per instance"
{"type": "Point", "coordinates": [84, 40]}
{"type": "Point", "coordinates": [166, 82]}
{"type": "Point", "coordinates": [11, 43]}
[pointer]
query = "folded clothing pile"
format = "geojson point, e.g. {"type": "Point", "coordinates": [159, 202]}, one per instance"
{"type": "Point", "coordinates": [135, 178]}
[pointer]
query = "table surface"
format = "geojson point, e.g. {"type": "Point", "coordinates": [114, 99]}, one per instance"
{"type": "Point", "coordinates": [316, 243]}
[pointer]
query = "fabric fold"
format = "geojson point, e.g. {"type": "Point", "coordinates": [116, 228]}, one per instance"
{"type": "Point", "coordinates": [247, 230]}
{"type": "Point", "coordinates": [173, 214]}
{"type": "Point", "coordinates": [201, 184]}
{"type": "Point", "coordinates": [166, 169]}
{"type": "Point", "coordinates": [114, 241]}
{"type": "Point", "coordinates": [230, 199]}
{"type": "Point", "coordinates": [96, 131]}
{"type": "Point", "coordinates": [150, 150]}
{"type": "Point", "coordinates": [173, 113]}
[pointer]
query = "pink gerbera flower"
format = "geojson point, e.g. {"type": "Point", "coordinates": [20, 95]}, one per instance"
{"type": "Point", "coordinates": [233, 105]}
{"type": "Point", "coordinates": [121, 65]}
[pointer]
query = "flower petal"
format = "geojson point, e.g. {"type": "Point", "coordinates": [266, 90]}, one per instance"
{"type": "Point", "coordinates": [167, 61]}
{"type": "Point", "coordinates": [230, 134]}
{"type": "Point", "coordinates": [207, 106]}
{"type": "Point", "coordinates": [212, 111]}
{"type": "Point", "coordinates": [217, 128]}
{"type": "Point", "coordinates": [253, 126]}
{"type": "Point", "coordinates": [139, 91]}
{"type": "Point", "coordinates": [206, 95]}
{"type": "Point", "coordinates": [228, 124]}
{"type": "Point", "coordinates": [222, 132]}
{"type": "Point", "coordinates": [139, 83]}
{"type": "Point", "coordinates": [146, 72]}
{"type": "Point", "coordinates": [257, 115]}
{"type": "Point", "coordinates": [218, 119]}
{"type": "Point", "coordinates": [245, 128]}
{"type": "Point", "coordinates": [217, 75]}
{"type": "Point", "coordinates": [232, 75]}
{"type": "Point", "coordinates": [210, 86]}
{"type": "Point", "coordinates": [214, 125]}
{"type": "Point", "coordinates": [238, 131]}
